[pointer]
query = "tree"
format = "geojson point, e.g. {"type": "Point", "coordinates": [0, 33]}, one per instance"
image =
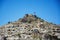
{"type": "Point", "coordinates": [9, 22]}
{"type": "Point", "coordinates": [19, 35]}
{"type": "Point", "coordinates": [26, 15]}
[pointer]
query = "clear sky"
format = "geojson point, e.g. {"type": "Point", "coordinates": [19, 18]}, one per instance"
{"type": "Point", "coordinates": [12, 10]}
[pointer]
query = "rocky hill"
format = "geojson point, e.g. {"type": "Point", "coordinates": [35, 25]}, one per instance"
{"type": "Point", "coordinates": [29, 18]}
{"type": "Point", "coordinates": [30, 26]}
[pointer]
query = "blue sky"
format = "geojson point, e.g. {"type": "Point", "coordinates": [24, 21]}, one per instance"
{"type": "Point", "coordinates": [12, 10]}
